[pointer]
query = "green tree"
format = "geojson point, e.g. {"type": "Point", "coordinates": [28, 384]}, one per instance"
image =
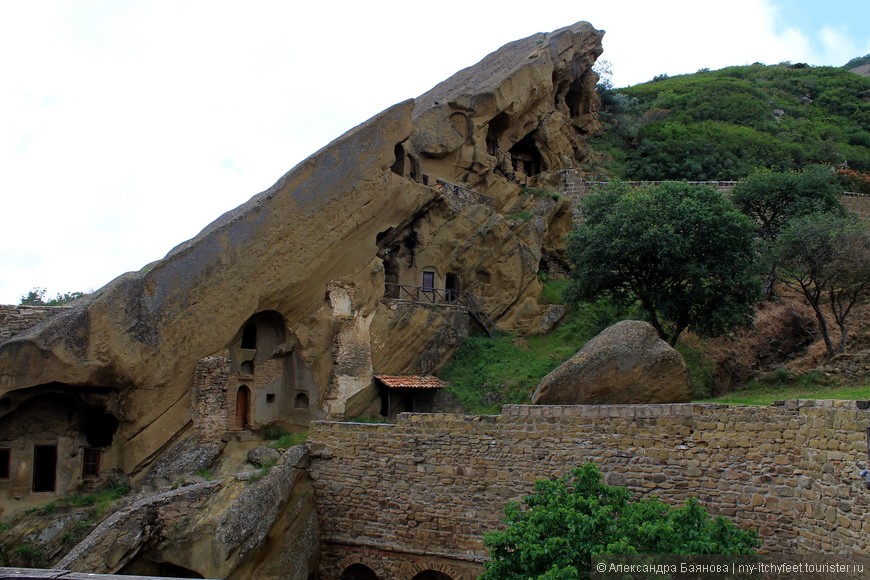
{"type": "Point", "coordinates": [37, 297]}
{"type": "Point", "coordinates": [827, 258]}
{"type": "Point", "coordinates": [772, 198]}
{"type": "Point", "coordinates": [681, 251]}
{"type": "Point", "coordinates": [568, 520]}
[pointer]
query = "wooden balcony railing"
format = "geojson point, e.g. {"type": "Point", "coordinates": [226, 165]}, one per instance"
{"type": "Point", "coordinates": [442, 297]}
{"type": "Point", "coordinates": [463, 194]}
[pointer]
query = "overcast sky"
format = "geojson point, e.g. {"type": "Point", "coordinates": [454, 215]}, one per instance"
{"type": "Point", "coordinates": [127, 126]}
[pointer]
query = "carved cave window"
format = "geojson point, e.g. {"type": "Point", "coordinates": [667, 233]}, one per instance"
{"type": "Point", "coordinates": [301, 401]}
{"type": "Point", "coordinates": [249, 336]}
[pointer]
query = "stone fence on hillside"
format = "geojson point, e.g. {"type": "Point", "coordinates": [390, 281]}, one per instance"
{"type": "Point", "coordinates": [573, 186]}
{"type": "Point", "coordinates": [419, 494]}
{"type": "Point", "coordinates": [858, 203]}
{"type": "Point", "coordinates": [15, 319]}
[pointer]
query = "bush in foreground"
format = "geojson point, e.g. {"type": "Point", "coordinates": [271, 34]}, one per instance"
{"type": "Point", "coordinates": [568, 520]}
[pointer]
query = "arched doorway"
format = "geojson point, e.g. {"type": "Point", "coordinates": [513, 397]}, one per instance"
{"type": "Point", "coordinates": [358, 572]}
{"type": "Point", "coordinates": [243, 404]}
{"type": "Point", "coordinates": [431, 575]}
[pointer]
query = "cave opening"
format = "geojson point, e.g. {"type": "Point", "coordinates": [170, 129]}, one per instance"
{"type": "Point", "coordinates": [525, 155]}
{"type": "Point", "coordinates": [98, 426]}
{"type": "Point", "coordinates": [44, 468]}
{"type": "Point", "coordinates": [496, 128]}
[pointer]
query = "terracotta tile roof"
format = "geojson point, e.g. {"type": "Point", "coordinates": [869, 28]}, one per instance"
{"type": "Point", "coordinates": [411, 382]}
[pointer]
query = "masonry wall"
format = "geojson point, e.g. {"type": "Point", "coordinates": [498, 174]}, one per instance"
{"type": "Point", "coordinates": [858, 203]}
{"type": "Point", "coordinates": [429, 486]}
{"type": "Point", "coordinates": [209, 399]}
{"type": "Point", "coordinates": [15, 319]}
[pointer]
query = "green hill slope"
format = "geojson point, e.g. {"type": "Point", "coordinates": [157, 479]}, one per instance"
{"type": "Point", "coordinates": [723, 124]}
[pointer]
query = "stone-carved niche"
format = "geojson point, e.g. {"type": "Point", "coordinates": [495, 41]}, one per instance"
{"type": "Point", "coordinates": [55, 439]}
{"type": "Point", "coordinates": [268, 382]}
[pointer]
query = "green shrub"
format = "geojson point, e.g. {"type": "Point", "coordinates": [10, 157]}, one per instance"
{"type": "Point", "coordinates": [542, 192]}
{"type": "Point", "coordinates": [288, 440]}
{"type": "Point", "coordinates": [272, 431]}
{"type": "Point", "coordinates": [566, 521]}
{"type": "Point", "coordinates": [552, 292]}
{"type": "Point", "coordinates": [28, 556]}
{"type": "Point", "coordinates": [701, 370]}
{"type": "Point", "coordinates": [520, 216]}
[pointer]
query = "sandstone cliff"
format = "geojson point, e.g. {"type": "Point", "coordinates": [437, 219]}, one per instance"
{"type": "Point", "coordinates": [292, 295]}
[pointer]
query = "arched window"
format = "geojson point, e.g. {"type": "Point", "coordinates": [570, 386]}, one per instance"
{"type": "Point", "coordinates": [358, 572]}
{"type": "Point", "coordinates": [431, 575]}
{"type": "Point", "coordinates": [301, 401]}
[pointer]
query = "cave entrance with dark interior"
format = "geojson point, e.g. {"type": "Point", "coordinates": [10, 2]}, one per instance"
{"type": "Point", "coordinates": [525, 156]}
{"type": "Point", "coordinates": [249, 336]}
{"type": "Point", "coordinates": [451, 287]}
{"type": "Point", "coordinates": [495, 129]}
{"type": "Point", "coordinates": [44, 468]}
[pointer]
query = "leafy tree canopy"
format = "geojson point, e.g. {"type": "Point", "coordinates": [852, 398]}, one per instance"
{"type": "Point", "coordinates": [857, 61]}
{"type": "Point", "coordinates": [827, 258]}
{"type": "Point", "coordinates": [37, 297]}
{"type": "Point", "coordinates": [682, 252]}
{"type": "Point", "coordinates": [772, 198]}
{"type": "Point", "coordinates": [568, 520]}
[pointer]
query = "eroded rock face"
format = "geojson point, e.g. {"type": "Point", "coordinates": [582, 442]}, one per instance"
{"type": "Point", "coordinates": [625, 364]}
{"type": "Point", "coordinates": [303, 267]}
{"type": "Point", "coordinates": [265, 528]}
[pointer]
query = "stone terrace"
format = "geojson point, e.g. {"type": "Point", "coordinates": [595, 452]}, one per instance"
{"type": "Point", "coordinates": [421, 493]}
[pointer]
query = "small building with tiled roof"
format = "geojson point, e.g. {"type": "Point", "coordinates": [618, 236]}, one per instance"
{"type": "Point", "coordinates": [407, 393]}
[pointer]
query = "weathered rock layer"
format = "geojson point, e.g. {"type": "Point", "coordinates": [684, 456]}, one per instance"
{"type": "Point", "coordinates": [292, 290]}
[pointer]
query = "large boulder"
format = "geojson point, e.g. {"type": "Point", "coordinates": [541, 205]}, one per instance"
{"type": "Point", "coordinates": [626, 363]}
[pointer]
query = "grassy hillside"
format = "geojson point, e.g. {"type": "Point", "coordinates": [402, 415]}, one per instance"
{"type": "Point", "coordinates": [712, 125]}
{"type": "Point", "coordinates": [723, 124]}
{"type": "Point", "coordinates": [490, 372]}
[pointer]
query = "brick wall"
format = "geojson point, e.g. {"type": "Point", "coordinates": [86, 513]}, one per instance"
{"type": "Point", "coordinates": [209, 399]}
{"type": "Point", "coordinates": [431, 485]}
{"type": "Point", "coordinates": [858, 203]}
{"type": "Point", "coordinates": [14, 319]}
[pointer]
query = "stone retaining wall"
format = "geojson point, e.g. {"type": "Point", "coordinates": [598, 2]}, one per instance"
{"type": "Point", "coordinates": [15, 319]}
{"type": "Point", "coordinates": [431, 485]}
{"type": "Point", "coordinates": [858, 203]}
